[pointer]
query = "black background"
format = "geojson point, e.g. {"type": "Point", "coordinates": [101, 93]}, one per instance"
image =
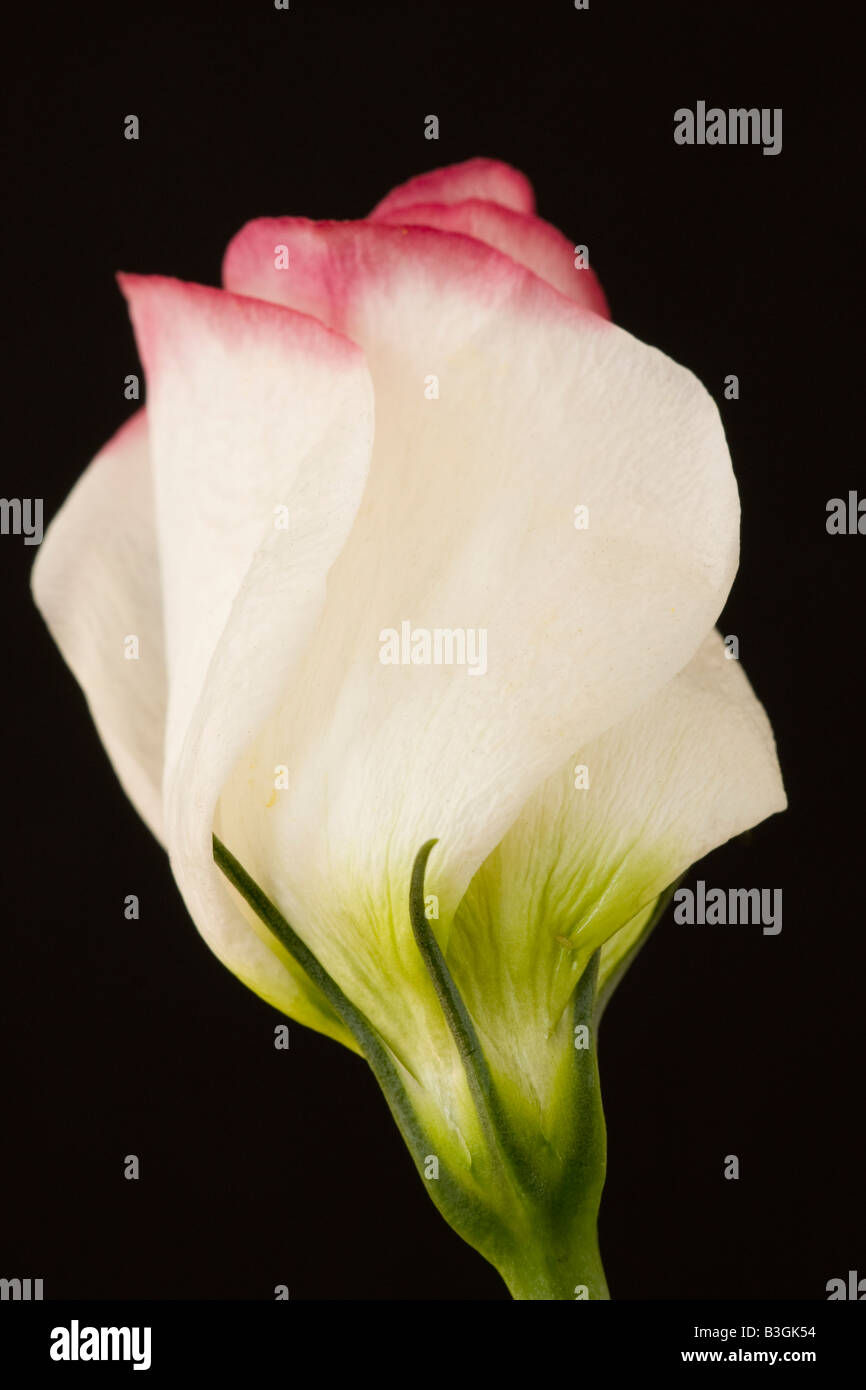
{"type": "Point", "coordinates": [261, 1167]}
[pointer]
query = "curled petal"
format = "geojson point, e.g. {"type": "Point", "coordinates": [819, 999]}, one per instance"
{"type": "Point", "coordinates": [473, 178]}
{"type": "Point", "coordinates": [528, 240]}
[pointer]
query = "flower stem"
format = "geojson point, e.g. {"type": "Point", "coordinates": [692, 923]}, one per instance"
{"type": "Point", "coordinates": [567, 1275]}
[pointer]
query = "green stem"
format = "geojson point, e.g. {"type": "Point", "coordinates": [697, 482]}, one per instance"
{"type": "Point", "coordinates": [559, 1275]}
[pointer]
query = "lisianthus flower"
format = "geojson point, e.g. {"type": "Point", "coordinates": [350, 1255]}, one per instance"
{"type": "Point", "coordinates": [392, 426]}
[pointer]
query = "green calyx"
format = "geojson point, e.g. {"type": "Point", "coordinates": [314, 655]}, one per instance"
{"type": "Point", "coordinates": [524, 1189]}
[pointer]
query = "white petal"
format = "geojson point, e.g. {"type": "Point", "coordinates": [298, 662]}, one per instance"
{"type": "Point", "coordinates": [96, 583]}
{"type": "Point", "coordinates": [685, 772]}
{"type": "Point", "coordinates": [468, 522]}
{"type": "Point", "coordinates": [252, 409]}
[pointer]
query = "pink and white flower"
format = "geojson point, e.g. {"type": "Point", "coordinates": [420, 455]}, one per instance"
{"type": "Point", "coordinates": [290, 491]}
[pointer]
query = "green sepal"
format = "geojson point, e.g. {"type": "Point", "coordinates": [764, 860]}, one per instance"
{"type": "Point", "coordinates": [461, 1207]}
